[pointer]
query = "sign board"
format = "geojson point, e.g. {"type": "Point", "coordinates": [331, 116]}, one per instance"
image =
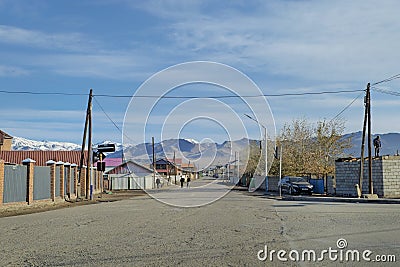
{"type": "Point", "coordinates": [106, 148]}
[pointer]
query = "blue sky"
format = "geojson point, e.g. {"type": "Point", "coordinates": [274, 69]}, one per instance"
{"type": "Point", "coordinates": [114, 46]}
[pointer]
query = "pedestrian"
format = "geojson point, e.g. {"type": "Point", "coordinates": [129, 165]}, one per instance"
{"type": "Point", "coordinates": [182, 181]}
{"type": "Point", "coordinates": [158, 182]}
{"type": "Point", "coordinates": [377, 145]}
{"type": "Point", "coordinates": [188, 182]}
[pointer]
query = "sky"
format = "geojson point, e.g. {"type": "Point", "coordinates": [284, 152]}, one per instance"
{"type": "Point", "coordinates": [56, 51]}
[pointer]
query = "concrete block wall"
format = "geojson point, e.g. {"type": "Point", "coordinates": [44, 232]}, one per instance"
{"type": "Point", "coordinates": [385, 177]}
{"type": "Point", "coordinates": [391, 176]}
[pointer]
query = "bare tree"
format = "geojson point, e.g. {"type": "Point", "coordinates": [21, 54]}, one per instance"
{"type": "Point", "coordinates": [309, 149]}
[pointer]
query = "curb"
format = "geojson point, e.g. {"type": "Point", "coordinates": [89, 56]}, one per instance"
{"type": "Point", "coordinates": [341, 199]}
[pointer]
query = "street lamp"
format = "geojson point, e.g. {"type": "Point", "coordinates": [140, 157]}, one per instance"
{"type": "Point", "coordinates": [266, 150]}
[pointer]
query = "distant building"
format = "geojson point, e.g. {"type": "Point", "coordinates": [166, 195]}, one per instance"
{"type": "Point", "coordinates": [5, 141]}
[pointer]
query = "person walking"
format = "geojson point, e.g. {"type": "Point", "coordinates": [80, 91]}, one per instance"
{"type": "Point", "coordinates": [188, 182]}
{"type": "Point", "coordinates": [377, 145]}
{"type": "Point", "coordinates": [182, 181]}
{"type": "Point", "coordinates": [158, 182]}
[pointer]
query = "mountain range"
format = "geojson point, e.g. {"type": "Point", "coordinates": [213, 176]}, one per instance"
{"type": "Point", "coordinates": [202, 154]}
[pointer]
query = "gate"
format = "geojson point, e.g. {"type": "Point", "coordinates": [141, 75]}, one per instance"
{"type": "Point", "coordinates": [58, 181]}
{"type": "Point", "coordinates": [14, 183]}
{"type": "Point", "coordinates": [41, 183]}
{"type": "Point", "coordinates": [318, 185]}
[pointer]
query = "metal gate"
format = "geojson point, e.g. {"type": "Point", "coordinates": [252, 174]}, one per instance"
{"type": "Point", "coordinates": [41, 183]}
{"type": "Point", "coordinates": [58, 181]}
{"type": "Point", "coordinates": [72, 181]}
{"type": "Point", "coordinates": [14, 183]}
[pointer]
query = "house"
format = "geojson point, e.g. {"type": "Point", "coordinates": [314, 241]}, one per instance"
{"type": "Point", "coordinates": [131, 175]}
{"type": "Point", "coordinates": [5, 141]}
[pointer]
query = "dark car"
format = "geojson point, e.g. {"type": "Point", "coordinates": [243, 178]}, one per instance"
{"type": "Point", "coordinates": [295, 185]}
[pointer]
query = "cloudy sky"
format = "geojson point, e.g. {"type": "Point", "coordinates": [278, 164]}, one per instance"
{"type": "Point", "coordinates": [284, 47]}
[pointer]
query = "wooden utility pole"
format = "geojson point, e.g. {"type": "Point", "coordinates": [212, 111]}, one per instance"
{"type": "Point", "coordinates": [367, 121]}
{"type": "Point", "coordinates": [360, 180]}
{"type": "Point", "coordinates": [154, 162]}
{"type": "Point", "coordinates": [88, 115]}
{"type": "Point", "coordinates": [371, 189]}
{"type": "Point", "coordinates": [89, 186]}
{"type": "Point", "coordinates": [175, 170]}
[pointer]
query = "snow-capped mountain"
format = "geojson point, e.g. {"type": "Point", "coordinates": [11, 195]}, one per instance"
{"type": "Point", "coordinates": [19, 143]}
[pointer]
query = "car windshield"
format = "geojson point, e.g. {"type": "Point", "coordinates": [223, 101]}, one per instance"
{"type": "Point", "coordinates": [296, 179]}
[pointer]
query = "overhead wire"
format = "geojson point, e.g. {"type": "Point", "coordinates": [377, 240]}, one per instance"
{"type": "Point", "coordinates": [181, 97]}
{"type": "Point", "coordinates": [384, 91]}
{"type": "Point", "coordinates": [348, 106]}
{"type": "Point", "coordinates": [397, 76]}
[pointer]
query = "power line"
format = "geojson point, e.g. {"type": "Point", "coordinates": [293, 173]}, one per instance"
{"type": "Point", "coordinates": [384, 91]}
{"type": "Point", "coordinates": [180, 97]}
{"type": "Point", "coordinates": [345, 108]}
{"type": "Point", "coordinates": [41, 93]}
{"type": "Point", "coordinates": [111, 120]}
{"type": "Point", "coordinates": [232, 96]}
{"type": "Point", "coordinates": [397, 76]}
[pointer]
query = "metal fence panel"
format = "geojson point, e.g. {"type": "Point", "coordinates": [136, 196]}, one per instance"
{"type": "Point", "coordinates": [14, 183]}
{"type": "Point", "coordinates": [119, 183]}
{"type": "Point", "coordinates": [41, 183]}
{"type": "Point", "coordinates": [57, 181]}
{"type": "Point", "coordinates": [66, 180]}
{"type": "Point", "coordinates": [71, 184]}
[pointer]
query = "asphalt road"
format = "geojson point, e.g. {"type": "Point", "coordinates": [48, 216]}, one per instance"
{"type": "Point", "coordinates": [229, 232]}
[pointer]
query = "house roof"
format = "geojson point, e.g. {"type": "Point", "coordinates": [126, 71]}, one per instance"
{"type": "Point", "coordinates": [16, 157]}
{"type": "Point", "coordinates": [124, 165]}
{"type": "Point", "coordinates": [4, 135]}
{"type": "Point", "coordinates": [112, 162]}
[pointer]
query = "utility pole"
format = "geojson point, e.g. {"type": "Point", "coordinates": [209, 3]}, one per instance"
{"type": "Point", "coordinates": [88, 112]}
{"type": "Point", "coordinates": [371, 189]}
{"type": "Point", "coordinates": [89, 186]}
{"type": "Point", "coordinates": [175, 170]}
{"type": "Point", "coordinates": [280, 170]}
{"type": "Point", "coordinates": [360, 180]}
{"type": "Point", "coordinates": [154, 162]}
{"type": "Point", "coordinates": [367, 121]}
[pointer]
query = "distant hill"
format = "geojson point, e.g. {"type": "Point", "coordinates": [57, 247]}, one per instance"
{"type": "Point", "coordinates": [390, 144]}
{"type": "Point", "coordinates": [201, 153]}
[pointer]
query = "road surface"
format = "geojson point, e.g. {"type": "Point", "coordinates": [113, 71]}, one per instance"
{"type": "Point", "coordinates": [232, 231]}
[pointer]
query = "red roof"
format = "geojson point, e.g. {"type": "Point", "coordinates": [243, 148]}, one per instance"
{"type": "Point", "coordinates": [41, 157]}
{"type": "Point", "coordinates": [112, 162]}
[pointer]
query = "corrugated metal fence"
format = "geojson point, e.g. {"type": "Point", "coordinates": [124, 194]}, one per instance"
{"type": "Point", "coordinates": [14, 183]}
{"type": "Point", "coordinates": [41, 183]}
{"type": "Point", "coordinates": [58, 181]}
{"type": "Point", "coordinates": [126, 181]}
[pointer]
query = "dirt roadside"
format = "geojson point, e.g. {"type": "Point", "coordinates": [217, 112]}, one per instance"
{"type": "Point", "coordinates": [16, 209]}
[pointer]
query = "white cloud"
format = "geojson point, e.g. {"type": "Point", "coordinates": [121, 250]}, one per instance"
{"type": "Point", "coordinates": [318, 40]}
{"type": "Point", "coordinates": [33, 38]}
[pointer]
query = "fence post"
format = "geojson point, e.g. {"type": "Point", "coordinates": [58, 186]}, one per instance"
{"type": "Point", "coordinates": [61, 164]}
{"type": "Point", "coordinates": [1, 181]}
{"type": "Point", "coordinates": [30, 164]}
{"type": "Point", "coordinates": [52, 165]}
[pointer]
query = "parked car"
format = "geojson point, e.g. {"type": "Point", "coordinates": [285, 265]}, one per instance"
{"type": "Point", "coordinates": [295, 185]}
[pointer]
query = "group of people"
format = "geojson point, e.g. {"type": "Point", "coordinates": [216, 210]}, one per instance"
{"type": "Point", "coordinates": [182, 180]}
